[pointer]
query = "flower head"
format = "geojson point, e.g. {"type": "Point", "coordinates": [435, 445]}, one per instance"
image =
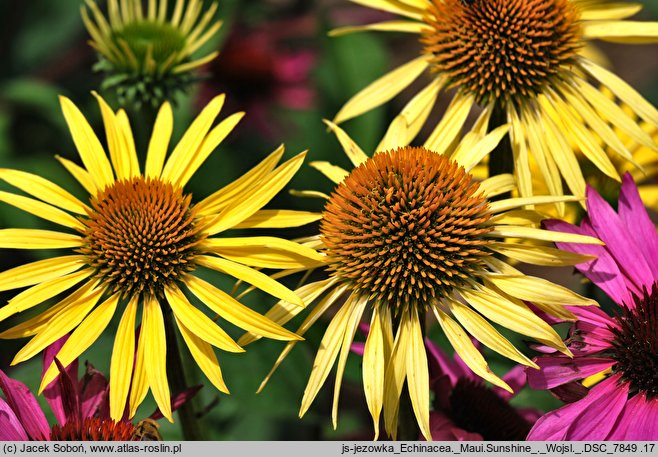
{"type": "Point", "coordinates": [148, 54]}
{"type": "Point", "coordinates": [140, 242]}
{"type": "Point", "coordinates": [409, 232]}
{"type": "Point", "coordinates": [80, 407]}
{"type": "Point", "coordinates": [466, 409]}
{"type": "Point", "coordinates": [614, 365]}
{"type": "Point", "coordinates": [525, 61]}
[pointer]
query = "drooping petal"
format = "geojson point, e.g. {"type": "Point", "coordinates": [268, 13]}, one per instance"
{"type": "Point", "coordinates": [555, 371]}
{"type": "Point", "coordinates": [25, 407]}
{"type": "Point", "coordinates": [11, 428]}
{"type": "Point", "coordinates": [53, 391]}
{"type": "Point", "coordinates": [155, 355]}
{"type": "Point", "coordinates": [121, 364]}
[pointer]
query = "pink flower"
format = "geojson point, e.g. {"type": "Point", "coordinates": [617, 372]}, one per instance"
{"type": "Point", "coordinates": [619, 354]}
{"type": "Point", "coordinates": [466, 409]}
{"type": "Point", "coordinates": [80, 406]}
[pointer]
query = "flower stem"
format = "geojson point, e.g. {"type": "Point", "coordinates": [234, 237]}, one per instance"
{"type": "Point", "coordinates": [187, 417]}
{"type": "Point", "coordinates": [501, 159]}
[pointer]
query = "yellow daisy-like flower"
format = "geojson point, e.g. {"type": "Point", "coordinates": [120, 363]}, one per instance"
{"type": "Point", "coordinates": [527, 60]}
{"type": "Point", "coordinates": [408, 232]}
{"type": "Point", "coordinates": [149, 53]}
{"type": "Point", "coordinates": [139, 242]}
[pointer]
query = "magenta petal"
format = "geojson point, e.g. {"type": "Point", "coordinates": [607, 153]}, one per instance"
{"type": "Point", "coordinates": [602, 271]}
{"type": "Point", "coordinates": [618, 240]}
{"type": "Point", "coordinates": [358, 348]}
{"type": "Point", "coordinates": [178, 400]}
{"type": "Point", "coordinates": [516, 379]}
{"type": "Point", "coordinates": [25, 406]}
{"type": "Point", "coordinates": [591, 418]}
{"type": "Point", "coordinates": [638, 421]}
{"type": "Point", "coordinates": [440, 364]}
{"type": "Point", "coordinates": [70, 397]}
{"type": "Point", "coordinates": [10, 427]}
{"type": "Point", "coordinates": [634, 215]}
{"type": "Point", "coordinates": [599, 416]}
{"type": "Point", "coordinates": [93, 391]}
{"type": "Point", "coordinates": [53, 391]}
{"type": "Point", "coordinates": [558, 370]}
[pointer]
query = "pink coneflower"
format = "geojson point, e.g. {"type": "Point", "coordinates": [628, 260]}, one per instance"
{"type": "Point", "coordinates": [80, 406]}
{"type": "Point", "coordinates": [466, 409]}
{"type": "Point", "coordinates": [613, 376]}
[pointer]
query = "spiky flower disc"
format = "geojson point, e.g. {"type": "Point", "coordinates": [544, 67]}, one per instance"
{"type": "Point", "coordinates": [409, 232]}
{"type": "Point", "coordinates": [406, 227]}
{"type": "Point", "coordinates": [140, 236]}
{"type": "Point", "coordinates": [138, 242]}
{"type": "Point", "coordinates": [502, 49]}
{"type": "Point", "coordinates": [529, 64]}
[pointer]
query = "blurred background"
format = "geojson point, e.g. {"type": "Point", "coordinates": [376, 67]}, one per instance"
{"type": "Point", "coordinates": [276, 63]}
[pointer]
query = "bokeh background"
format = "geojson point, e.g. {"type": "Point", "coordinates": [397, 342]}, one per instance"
{"type": "Point", "coordinates": [278, 64]}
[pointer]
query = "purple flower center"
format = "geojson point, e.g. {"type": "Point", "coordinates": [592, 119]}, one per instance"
{"type": "Point", "coordinates": [635, 346]}
{"type": "Point", "coordinates": [477, 409]}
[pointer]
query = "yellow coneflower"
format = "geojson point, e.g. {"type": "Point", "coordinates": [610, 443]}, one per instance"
{"type": "Point", "coordinates": [140, 241]}
{"type": "Point", "coordinates": [409, 232]}
{"type": "Point", "coordinates": [527, 60]}
{"type": "Point", "coordinates": [148, 52]}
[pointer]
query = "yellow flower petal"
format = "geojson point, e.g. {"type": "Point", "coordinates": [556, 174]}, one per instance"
{"type": "Point", "coordinates": [532, 289]}
{"type": "Point", "coordinates": [506, 231]}
{"type": "Point", "coordinates": [463, 345]}
{"type": "Point", "coordinates": [205, 357]}
{"type": "Point", "coordinates": [159, 143]}
{"type": "Point", "coordinates": [498, 184]}
{"type": "Point", "coordinates": [40, 271]}
{"type": "Point", "coordinates": [82, 337]}
{"type": "Point", "coordinates": [335, 173]}
{"type": "Point", "coordinates": [382, 90]}
{"type": "Point", "coordinates": [373, 369]}
{"type": "Point", "coordinates": [597, 12]}
{"type": "Point", "coordinates": [283, 311]}
{"type": "Point", "coordinates": [469, 157]}
{"type": "Point", "coordinates": [123, 356]}
{"type": "Point", "coordinates": [155, 355]}
{"type": "Point", "coordinates": [87, 143]}
{"type": "Point", "coordinates": [235, 312]}
{"type": "Point", "coordinates": [131, 163]}
{"type": "Point", "coordinates": [241, 209]}
{"type": "Point", "coordinates": [198, 322]}
{"type": "Point", "coordinates": [449, 128]}
{"type": "Point", "coordinates": [279, 218]}
{"type": "Point", "coordinates": [192, 139]}
{"type": "Point", "coordinates": [224, 196]}
{"type": "Point", "coordinates": [43, 189]}
{"type": "Point", "coordinates": [41, 292]}
{"type": "Point", "coordinates": [520, 153]}
{"type": "Point", "coordinates": [327, 352]}
{"type": "Point", "coordinates": [485, 333]}
{"type": "Point", "coordinates": [42, 210]}
{"type": "Point", "coordinates": [406, 125]}
{"type": "Point", "coordinates": [251, 276]}
{"type": "Point", "coordinates": [396, 370]}
{"type": "Point", "coordinates": [39, 322]}
{"type": "Point", "coordinates": [624, 91]}
{"type": "Point", "coordinates": [311, 318]}
{"type": "Point", "coordinates": [513, 315]}
{"type": "Point", "coordinates": [539, 255]}
{"type": "Point", "coordinates": [387, 26]}
{"type": "Point", "coordinates": [354, 317]}
{"type": "Point", "coordinates": [211, 141]}
{"type": "Point", "coordinates": [140, 385]}
{"type": "Point", "coordinates": [352, 150]}
{"type": "Point", "coordinates": [80, 174]}
{"type": "Point", "coordinates": [37, 239]}
{"type": "Point", "coordinates": [393, 6]}
{"type": "Point", "coordinates": [627, 32]}
{"type": "Point", "coordinates": [418, 374]}
{"type": "Point", "coordinates": [58, 326]}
